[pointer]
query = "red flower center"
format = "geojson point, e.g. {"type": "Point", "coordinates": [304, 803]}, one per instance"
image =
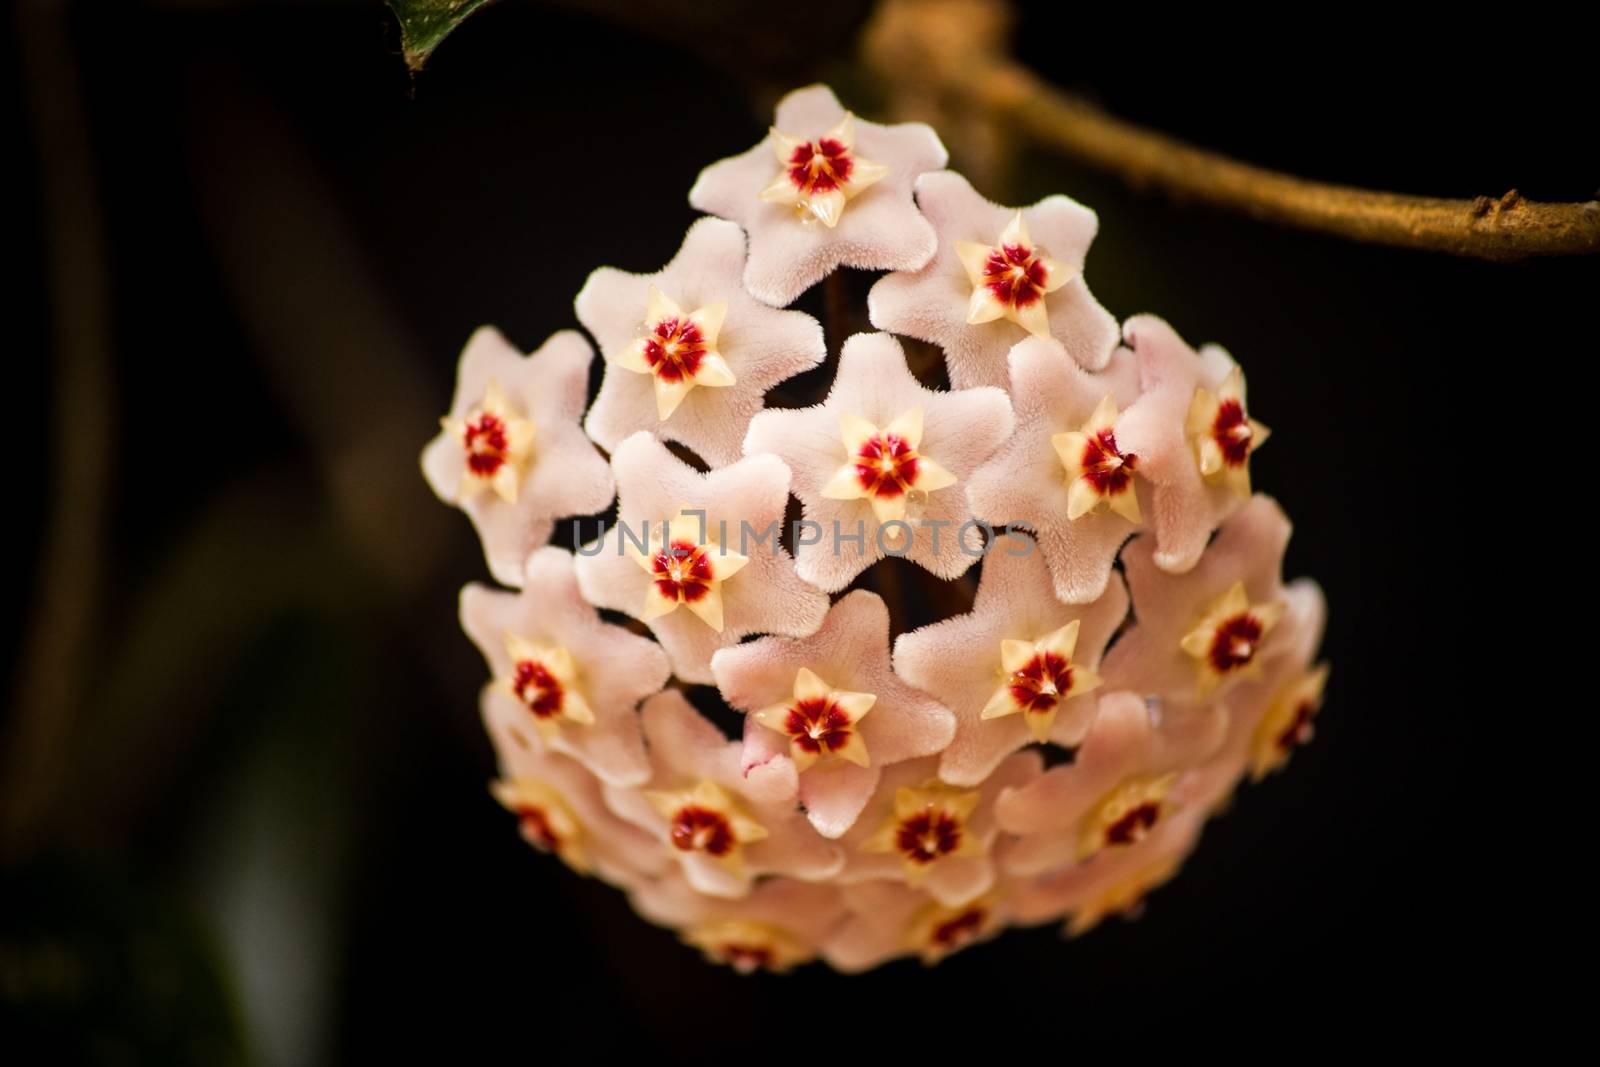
{"type": "Point", "coordinates": [1231, 430]}
{"type": "Point", "coordinates": [682, 571]}
{"type": "Point", "coordinates": [1298, 732]}
{"type": "Point", "coordinates": [746, 958]}
{"type": "Point", "coordinates": [820, 166]}
{"type": "Point", "coordinates": [1235, 642]}
{"type": "Point", "coordinates": [537, 829]}
{"type": "Point", "coordinates": [487, 444]}
{"type": "Point", "coordinates": [958, 930]}
{"type": "Point", "coordinates": [1131, 828]}
{"type": "Point", "coordinates": [1107, 469]}
{"type": "Point", "coordinates": [537, 688]}
{"type": "Point", "coordinates": [696, 829]}
{"type": "Point", "coordinates": [886, 465]}
{"type": "Point", "coordinates": [674, 348]}
{"type": "Point", "coordinates": [927, 835]}
{"type": "Point", "coordinates": [817, 725]}
{"type": "Point", "coordinates": [1041, 683]}
{"type": "Point", "coordinates": [1015, 275]}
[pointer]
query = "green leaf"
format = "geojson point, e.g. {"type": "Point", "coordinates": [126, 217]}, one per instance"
{"type": "Point", "coordinates": [424, 24]}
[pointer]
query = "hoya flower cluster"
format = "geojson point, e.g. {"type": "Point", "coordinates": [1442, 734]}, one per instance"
{"type": "Point", "coordinates": [890, 793]}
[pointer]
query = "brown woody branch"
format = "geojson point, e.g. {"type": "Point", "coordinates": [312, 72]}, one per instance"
{"type": "Point", "coordinates": [948, 57]}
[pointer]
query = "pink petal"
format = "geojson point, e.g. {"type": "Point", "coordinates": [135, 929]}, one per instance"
{"type": "Point", "coordinates": [803, 910]}
{"type": "Point", "coordinates": [959, 658]}
{"type": "Point", "coordinates": [565, 476]}
{"type": "Point", "coordinates": [1025, 483]}
{"type": "Point", "coordinates": [881, 228]}
{"type": "Point", "coordinates": [850, 651]}
{"type": "Point", "coordinates": [1125, 741]}
{"type": "Point", "coordinates": [549, 610]}
{"type": "Point", "coordinates": [686, 749]}
{"type": "Point", "coordinates": [1249, 548]}
{"type": "Point", "coordinates": [1186, 508]}
{"type": "Point", "coordinates": [961, 429]}
{"type": "Point", "coordinates": [762, 346]}
{"type": "Point", "coordinates": [621, 853]}
{"type": "Point", "coordinates": [765, 596]}
{"type": "Point", "coordinates": [930, 304]}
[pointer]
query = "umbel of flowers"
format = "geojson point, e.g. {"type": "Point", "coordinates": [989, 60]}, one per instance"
{"type": "Point", "coordinates": [888, 795]}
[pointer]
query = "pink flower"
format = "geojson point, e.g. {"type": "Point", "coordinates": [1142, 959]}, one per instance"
{"type": "Point", "coordinates": [696, 590]}
{"type": "Point", "coordinates": [1020, 667]}
{"type": "Point", "coordinates": [554, 661]}
{"type": "Point", "coordinates": [558, 804]}
{"type": "Point", "coordinates": [1000, 275]}
{"type": "Point", "coordinates": [778, 926]}
{"type": "Point", "coordinates": [850, 653]}
{"type": "Point", "coordinates": [724, 825]}
{"type": "Point", "coordinates": [932, 835]}
{"type": "Point", "coordinates": [881, 461]}
{"type": "Point", "coordinates": [1131, 773]}
{"type": "Point", "coordinates": [1113, 882]}
{"type": "Point", "coordinates": [823, 190]}
{"type": "Point", "coordinates": [1193, 437]}
{"type": "Point", "coordinates": [511, 454]}
{"type": "Point", "coordinates": [1198, 633]}
{"type": "Point", "coordinates": [1066, 472]}
{"type": "Point", "coordinates": [886, 920]}
{"type": "Point", "coordinates": [689, 354]}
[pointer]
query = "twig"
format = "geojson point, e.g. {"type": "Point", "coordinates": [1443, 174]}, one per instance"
{"type": "Point", "coordinates": [953, 51]}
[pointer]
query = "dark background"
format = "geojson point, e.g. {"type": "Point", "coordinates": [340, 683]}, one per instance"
{"type": "Point", "coordinates": [248, 246]}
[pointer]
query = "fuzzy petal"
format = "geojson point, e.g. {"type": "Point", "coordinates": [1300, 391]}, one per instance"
{"type": "Point", "coordinates": [879, 229]}
{"type": "Point", "coordinates": [959, 658]}
{"type": "Point", "coordinates": [1185, 507]}
{"type": "Point", "coordinates": [1025, 483]}
{"type": "Point", "coordinates": [765, 596]}
{"type": "Point", "coordinates": [932, 303]}
{"type": "Point", "coordinates": [564, 474]}
{"type": "Point", "coordinates": [851, 651]}
{"type": "Point", "coordinates": [960, 430]}
{"type": "Point", "coordinates": [759, 345]}
{"type": "Point", "coordinates": [615, 668]}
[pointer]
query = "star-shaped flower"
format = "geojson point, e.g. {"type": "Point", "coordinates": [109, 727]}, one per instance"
{"type": "Point", "coordinates": [886, 920]}
{"type": "Point", "coordinates": [1201, 631]}
{"type": "Point", "coordinates": [1066, 472]}
{"type": "Point", "coordinates": [511, 454]}
{"type": "Point", "coordinates": [775, 928]}
{"type": "Point", "coordinates": [725, 826]}
{"type": "Point", "coordinates": [1000, 275]}
{"type": "Point", "coordinates": [558, 803]}
{"type": "Point", "coordinates": [1192, 435]}
{"type": "Point", "coordinates": [1015, 669]}
{"type": "Point", "coordinates": [557, 663]}
{"type": "Point", "coordinates": [743, 507]}
{"type": "Point", "coordinates": [819, 721]}
{"type": "Point", "coordinates": [1115, 883]}
{"type": "Point", "coordinates": [930, 834]}
{"type": "Point", "coordinates": [686, 562]}
{"type": "Point", "coordinates": [1270, 714]}
{"type": "Point", "coordinates": [690, 324]}
{"type": "Point", "coordinates": [837, 194]}
{"type": "Point", "coordinates": [1128, 777]}
{"type": "Point", "coordinates": [850, 650]}
{"type": "Point", "coordinates": [878, 465]}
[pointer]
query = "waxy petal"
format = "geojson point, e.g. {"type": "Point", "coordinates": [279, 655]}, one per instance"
{"type": "Point", "coordinates": [757, 346]}
{"type": "Point", "coordinates": [564, 475]}
{"type": "Point", "coordinates": [873, 388]}
{"type": "Point", "coordinates": [937, 302]}
{"type": "Point", "coordinates": [850, 650]}
{"type": "Point", "coordinates": [879, 229]}
{"type": "Point", "coordinates": [764, 596]}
